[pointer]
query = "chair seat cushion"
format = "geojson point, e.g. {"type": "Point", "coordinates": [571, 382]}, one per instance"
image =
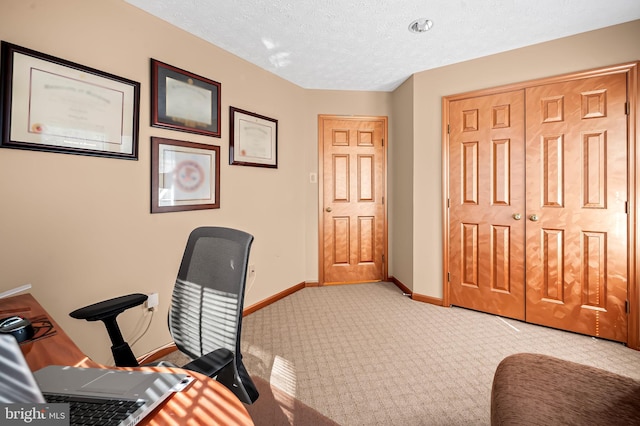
{"type": "Point", "coordinates": [211, 363]}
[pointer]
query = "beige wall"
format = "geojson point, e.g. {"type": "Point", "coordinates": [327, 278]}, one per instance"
{"type": "Point", "coordinates": [401, 184]}
{"type": "Point", "coordinates": [79, 229]}
{"type": "Point", "coordinates": [594, 49]}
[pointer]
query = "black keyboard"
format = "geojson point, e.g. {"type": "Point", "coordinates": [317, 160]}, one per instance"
{"type": "Point", "coordinates": [95, 411]}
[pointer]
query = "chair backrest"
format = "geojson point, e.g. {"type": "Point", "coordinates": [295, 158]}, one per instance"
{"type": "Point", "coordinates": [208, 297]}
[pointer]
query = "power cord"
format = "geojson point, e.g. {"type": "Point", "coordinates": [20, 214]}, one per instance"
{"type": "Point", "coordinates": [152, 310]}
{"type": "Point", "coordinates": [253, 280]}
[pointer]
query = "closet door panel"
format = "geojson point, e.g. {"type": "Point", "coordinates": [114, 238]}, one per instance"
{"type": "Point", "coordinates": [486, 164]}
{"type": "Point", "coordinates": [576, 227]}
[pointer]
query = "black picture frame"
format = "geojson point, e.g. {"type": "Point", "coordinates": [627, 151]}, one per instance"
{"type": "Point", "coordinates": [51, 104]}
{"type": "Point", "coordinates": [253, 139]}
{"type": "Point", "coordinates": [183, 101]}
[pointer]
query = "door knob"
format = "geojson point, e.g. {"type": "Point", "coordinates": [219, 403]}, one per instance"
{"type": "Point", "coordinates": [517, 216]}
{"type": "Point", "coordinates": [533, 218]}
{"type": "Point", "coordinates": [328, 209]}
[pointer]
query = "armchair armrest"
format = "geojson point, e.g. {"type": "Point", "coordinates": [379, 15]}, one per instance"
{"type": "Point", "coordinates": [107, 311]}
{"type": "Point", "coordinates": [108, 308]}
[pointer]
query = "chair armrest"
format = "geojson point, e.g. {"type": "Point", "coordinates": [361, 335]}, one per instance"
{"type": "Point", "coordinates": [109, 308]}
{"type": "Point", "coordinates": [211, 363]}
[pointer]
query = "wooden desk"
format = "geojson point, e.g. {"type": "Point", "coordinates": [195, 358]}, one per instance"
{"type": "Point", "coordinates": [204, 402]}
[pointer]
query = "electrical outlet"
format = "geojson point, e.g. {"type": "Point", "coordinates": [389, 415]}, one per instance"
{"type": "Point", "coordinates": [152, 301]}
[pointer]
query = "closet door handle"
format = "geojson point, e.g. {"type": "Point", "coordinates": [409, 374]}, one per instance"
{"type": "Point", "coordinates": [328, 209]}
{"type": "Point", "coordinates": [533, 218]}
{"type": "Point", "coordinates": [517, 216]}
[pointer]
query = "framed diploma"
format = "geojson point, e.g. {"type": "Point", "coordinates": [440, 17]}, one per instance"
{"type": "Point", "coordinates": [184, 176]}
{"type": "Point", "coordinates": [184, 101]}
{"type": "Point", "coordinates": [253, 139]}
{"type": "Point", "coordinates": [50, 104]}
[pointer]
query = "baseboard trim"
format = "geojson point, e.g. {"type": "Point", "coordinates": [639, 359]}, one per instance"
{"type": "Point", "coordinates": [268, 301]}
{"type": "Point", "coordinates": [427, 299]}
{"type": "Point", "coordinates": [404, 288]}
{"type": "Point", "coordinates": [155, 355]}
{"type": "Point", "coordinates": [415, 296]}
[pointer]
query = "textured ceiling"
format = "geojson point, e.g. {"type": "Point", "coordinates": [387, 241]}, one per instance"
{"type": "Point", "coordinates": [366, 44]}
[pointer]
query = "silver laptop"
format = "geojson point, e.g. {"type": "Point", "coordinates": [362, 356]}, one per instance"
{"type": "Point", "coordinates": [142, 391]}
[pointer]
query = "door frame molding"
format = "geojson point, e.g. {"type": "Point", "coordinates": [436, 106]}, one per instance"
{"type": "Point", "coordinates": [321, 118]}
{"type": "Point", "coordinates": [632, 72]}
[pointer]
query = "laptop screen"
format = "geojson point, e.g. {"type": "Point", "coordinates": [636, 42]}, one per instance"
{"type": "Point", "coordinates": [16, 380]}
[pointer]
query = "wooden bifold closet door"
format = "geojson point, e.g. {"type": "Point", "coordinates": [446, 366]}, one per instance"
{"type": "Point", "coordinates": [487, 204]}
{"type": "Point", "coordinates": [538, 209]}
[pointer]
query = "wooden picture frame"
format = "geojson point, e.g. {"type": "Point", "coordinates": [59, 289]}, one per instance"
{"type": "Point", "coordinates": [184, 176]}
{"type": "Point", "coordinates": [51, 104]}
{"type": "Point", "coordinates": [184, 101]}
{"type": "Point", "coordinates": [253, 139]}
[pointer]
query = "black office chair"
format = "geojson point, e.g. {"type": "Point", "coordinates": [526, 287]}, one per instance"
{"type": "Point", "coordinates": [205, 317]}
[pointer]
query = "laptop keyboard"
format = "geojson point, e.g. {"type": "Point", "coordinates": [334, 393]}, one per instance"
{"type": "Point", "coordinates": [95, 411]}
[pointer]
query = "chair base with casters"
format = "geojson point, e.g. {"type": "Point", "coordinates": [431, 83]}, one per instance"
{"type": "Point", "coordinates": [205, 316]}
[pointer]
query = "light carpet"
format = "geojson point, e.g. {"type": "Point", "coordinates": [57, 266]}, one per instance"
{"type": "Point", "coordinates": [367, 355]}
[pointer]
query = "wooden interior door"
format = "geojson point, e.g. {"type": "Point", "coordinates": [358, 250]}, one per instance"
{"type": "Point", "coordinates": [353, 214]}
{"type": "Point", "coordinates": [576, 174]}
{"type": "Point", "coordinates": [486, 204]}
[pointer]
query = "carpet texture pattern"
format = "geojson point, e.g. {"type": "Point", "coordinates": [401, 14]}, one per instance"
{"type": "Point", "coordinates": [275, 407]}
{"type": "Point", "coordinates": [367, 355]}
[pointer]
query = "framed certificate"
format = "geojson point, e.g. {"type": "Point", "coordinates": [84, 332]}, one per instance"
{"type": "Point", "coordinates": [253, 139]}
{"type": "Point", "coordinates": [184, 176]}
{"type": "Point", "coordinates": [183, 101]}
{"type": "Point", "coordinates": [50, 104]}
